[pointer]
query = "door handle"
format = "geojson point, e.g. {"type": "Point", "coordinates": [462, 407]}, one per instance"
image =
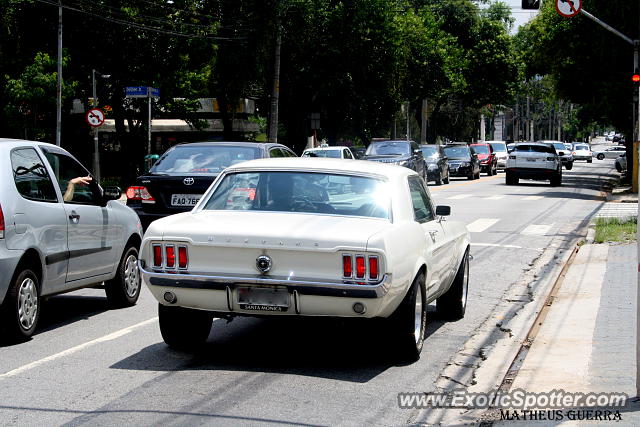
{"type": "Point", "coordinates": [74, 217]}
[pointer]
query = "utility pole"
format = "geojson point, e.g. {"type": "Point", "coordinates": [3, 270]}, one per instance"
{"type": "Point", "coordinates": [527, 128]}
{"type": "Point", "coordinates": [482, 128]}
{"type": "Point", "coordinates": [275, 94]}
{"type": "Point", "coordinates": [407, 113]}
{"type": "Point", "coordinates": [59, 84]}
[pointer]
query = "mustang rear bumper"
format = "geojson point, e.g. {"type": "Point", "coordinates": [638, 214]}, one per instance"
{"type": "Point", "coordinates": [218, 292]}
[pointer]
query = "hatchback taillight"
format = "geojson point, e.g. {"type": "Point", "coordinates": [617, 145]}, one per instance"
{"type": "Point", "coordinates": [1, 223]}
{"type": "Point", "coordinates": [182, 257]}
{"type": "Point", "coordinates": [140, 193]}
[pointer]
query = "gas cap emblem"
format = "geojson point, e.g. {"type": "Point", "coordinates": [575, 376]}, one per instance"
{"type": "Point", "coordinates": [264, 263]}
{"type": "Point", "coordinates": [188, 181]}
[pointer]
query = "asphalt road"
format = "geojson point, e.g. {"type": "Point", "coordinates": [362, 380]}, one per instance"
{"type": "Point", "coordinates": [90, 365]}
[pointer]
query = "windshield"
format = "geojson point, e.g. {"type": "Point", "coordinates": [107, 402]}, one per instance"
{"type": "Point", "coordinates": [203, 159]}
{"type": "Point", "coordinates": [302, 192]}
{"type": "Point", "coordinates": [499, 146]}
{"type": "Point", "coordinates": [534, 148]}
{"type": "Point", "coordinates": [582, 147]}
{"type": "Point", "coordinates": [429, 151]}
{"type": "Point", "coordinates": [323, 153]}
{"type": "Point", "coordinates": [389, 148]}
{"type": "Point", "coordinates": [457, 152]}
{"type": "Point", "coordinates": [481, 149]}
{"type": "Point", "coordinates": [559, 146]}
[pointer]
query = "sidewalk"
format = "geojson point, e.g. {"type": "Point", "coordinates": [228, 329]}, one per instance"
{"type": "Point", "coordinates": [587, 342]}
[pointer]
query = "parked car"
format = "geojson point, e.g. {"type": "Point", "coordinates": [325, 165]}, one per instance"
{"type": "Point", "coordinates": [534, 160]}
{"type": "Point", "coordinates": [582, 152]}
{"type": "Point", "coordinates": [500, 150]}
{"type": "Point", "coordinates": [610, 153]}
{"type": "Point", "coordinates": [403, 153]}
{"type": "Point", "coordinates": [180, 177]}
{"type": "Point", "coordinates": [266, 240]}
{"type": "Point", "coordinates": [621, 163]}
{"type": "Point", "coordinates": [487, 158]}
{"type": "Point", "coordinates": [59, 232]}
{"type": "Point", "coordinates": [462, 162]}
{"type": "Point", "coordinates": [564, 154]}
{"type": "Point", "coordinates": [436, 163]}
{"type": "Point", "coordinates": [334, 152]}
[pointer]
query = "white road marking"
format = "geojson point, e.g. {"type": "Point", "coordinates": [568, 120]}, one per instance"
{"type": "Point", "coordinates": [497, 245]}
{"type": "Point", "coordinates": [479, 225]}
{"type": "Point", "coordinates": [77, 348]}
{"type": "Point", "coordinates": [494, 198]}
{"type": "Point", "coordinates": [537, 229]}
{"type": "Point", "coordinates": [459, 196]}
{"type": "Point", "coordinates": [532, 198]}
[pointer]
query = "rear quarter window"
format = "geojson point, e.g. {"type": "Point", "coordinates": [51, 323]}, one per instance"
{"type": "Point", "coordinates": [31, 177]}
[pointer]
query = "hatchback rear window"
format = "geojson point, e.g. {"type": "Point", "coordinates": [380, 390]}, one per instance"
{"type": "Point", "coordinates": [481, 149]}
{"type": "Point", "coordinates": [301, 192]}
{"type": "Point", "coordinates": [203, 159]}
{"type": "Point", "coordinates": [535, 148]}
{"type": "Point", "coordinates": [582, 147]}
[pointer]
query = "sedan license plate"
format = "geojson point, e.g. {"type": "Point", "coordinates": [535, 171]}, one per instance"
{"type": "Point", "coordinates": [185, 199]}
{"type": "Point", "coordinates": [532, 160]}
{"type": "Point", "coordinates": [263, 298]}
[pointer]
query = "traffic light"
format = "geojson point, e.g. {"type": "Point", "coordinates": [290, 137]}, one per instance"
{"type": "Point", "coordinates": [635, 77]}
{"type": "Point", "coordinates": [531, 4]}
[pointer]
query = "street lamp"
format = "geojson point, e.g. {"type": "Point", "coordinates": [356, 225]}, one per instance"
{"type": "Point", "coordinates": [96, 150]}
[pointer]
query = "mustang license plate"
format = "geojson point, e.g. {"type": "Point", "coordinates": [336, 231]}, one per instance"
{"type": "Point", "coordinates": [185, 199]}
{"type": "Point", "coordinates": [263, 298]}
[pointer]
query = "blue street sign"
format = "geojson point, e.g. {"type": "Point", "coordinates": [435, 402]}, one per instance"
{"type": "Point", "coordinates": [141, 92]}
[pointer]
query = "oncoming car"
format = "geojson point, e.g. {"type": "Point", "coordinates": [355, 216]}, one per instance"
{"type": "Point", "coordinates": [334, 152]}
{"type": "Point", "coordinates": [269, 239]}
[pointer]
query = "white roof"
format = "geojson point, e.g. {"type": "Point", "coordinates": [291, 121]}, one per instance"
{"type": "Point", "coordinates": [334, 147]}
{"type": "Point", "coordinates": [325, 164]}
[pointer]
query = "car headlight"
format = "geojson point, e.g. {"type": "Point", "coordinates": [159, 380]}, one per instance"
{"type": "Point", "coordinates": [464, 163]}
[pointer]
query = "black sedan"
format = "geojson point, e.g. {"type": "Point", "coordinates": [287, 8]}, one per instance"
{"type": "Point", "coordinates": [462, 161]}
{"type": "Point", "coordinates": [436, 161]}
{"type": "Point", "coordinates": [403, 153]}
{"type": "Point", "coordinates": [183, 173]}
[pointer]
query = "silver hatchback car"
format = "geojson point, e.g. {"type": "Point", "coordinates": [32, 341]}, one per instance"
{"type": "Point", "coordinates": [59, 231]}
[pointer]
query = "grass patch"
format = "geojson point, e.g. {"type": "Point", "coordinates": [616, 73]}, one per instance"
{"type": "Point", "coordinates": [616, 230]}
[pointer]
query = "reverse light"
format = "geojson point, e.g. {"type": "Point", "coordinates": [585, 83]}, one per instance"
{"type": "Point", "coordinates": [140, 193]}
{"type": "Point", "coordinates": [157, 255]}
{"type": "Point", "coordinates": [182, 257]}
{"type": "Point", "coordinates": [360, 266]}
{"type": "Point", "coordinates": [171, 256]}
{"type": "Point", "coordinates": [1, 223]}
{"type": "Point", "coordinates": [347, 266]}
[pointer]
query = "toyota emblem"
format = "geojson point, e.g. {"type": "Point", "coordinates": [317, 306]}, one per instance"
{"type": "Point", "coordinates": [188, 181]}
{"type": "Point", "coordinates": [263, 263]}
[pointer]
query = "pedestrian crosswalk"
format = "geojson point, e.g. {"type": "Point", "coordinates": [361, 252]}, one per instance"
{"type": "Point", "coordinates": [483, 224]}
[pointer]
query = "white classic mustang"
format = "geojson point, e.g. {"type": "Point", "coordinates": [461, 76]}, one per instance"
{"type": "Point", "coordinates": [308, 237]}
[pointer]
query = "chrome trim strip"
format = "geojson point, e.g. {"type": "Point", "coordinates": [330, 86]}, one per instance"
{"type": "Point", "coordinates": [304, 286]}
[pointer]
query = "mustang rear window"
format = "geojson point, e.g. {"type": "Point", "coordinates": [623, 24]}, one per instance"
{"type": "Point", "coordinates": [307, 192]}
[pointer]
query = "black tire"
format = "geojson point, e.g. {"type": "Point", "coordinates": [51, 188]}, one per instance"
{"type": "Point", "coordinates": [511, 178]}
{"type": "Point", "coordinates": [569, 166]}
{"type": "Point", "coordinates": [21, 308]}
{"type": "Point", "coordinates": [439, 180]}
{"type": "Point", "coordinates": [600, 156]}
{"type": "Point", "coordinates": [408, 336]}
{"type": "Point", "coordinates": [124, 289]}
{"type": "Point", "coordinates": [471, 176]}
{"type": "Point", "coordinates": [453, 303]}
{"type": "Point", "coordinates": [556, 180]}
{"type": "Point", "coordinates": [489, 172]}
{"type": "Point", "coordinates": [590, 161]}
{"type": "Point", "coordinates": [184, 328]}
{"type": "Point", "coordinates": [446, 180]}
{"type": "Point", "coordinates": [477, 175]}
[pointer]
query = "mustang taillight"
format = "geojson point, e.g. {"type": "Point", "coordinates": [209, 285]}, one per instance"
{"type": "Point", "coordinates": [171, 256]}
{"type": "Point", "coordinates": [373, 267]}
{"type": "Point", "coordinates": [157, 255]}
{"type": "Point", "coordinates": [182, 257]}
{"type": "Point", "coordinates": [140, 193]}
{"type": "Point", "coordinates": [360, 266]}
{"type": "Point", "coordinates": [347, 266]}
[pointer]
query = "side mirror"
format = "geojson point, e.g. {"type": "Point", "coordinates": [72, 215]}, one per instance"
{"type": "Point", "coordinates": [112, 193]}
{"type": "Point", "coordinates": [443, 210]}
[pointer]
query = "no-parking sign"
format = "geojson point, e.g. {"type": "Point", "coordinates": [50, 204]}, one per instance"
{"type": "Point", "coordinates": [568, 8]}
{"type": "Point", "coordinates": [95, 117]}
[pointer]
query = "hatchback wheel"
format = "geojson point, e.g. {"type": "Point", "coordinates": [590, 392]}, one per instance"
{"type": "Point", "coordinates": [20, 310]}
{"type": "Point", "coordinates": [600, 156]}
{"type": "Point", "coordinates": [124, 289]}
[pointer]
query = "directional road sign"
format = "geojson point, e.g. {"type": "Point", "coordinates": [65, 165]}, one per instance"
{"type": "Point", "coordinates": [141, 92]}
{"type": "Point", "coordinates": [95, 117]}
{"type": "Point", "coordinates": [568, 8]}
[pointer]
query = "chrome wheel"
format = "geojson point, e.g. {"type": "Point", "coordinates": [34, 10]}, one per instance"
{"type": "Point", "coordinates": [27, 303]}
{"type": "Point", "coordinates": [417, 331]}
{"type": "Point", "coordinates": [465, 283]}
{"type": "Point", "coordinates": [131, 276]}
